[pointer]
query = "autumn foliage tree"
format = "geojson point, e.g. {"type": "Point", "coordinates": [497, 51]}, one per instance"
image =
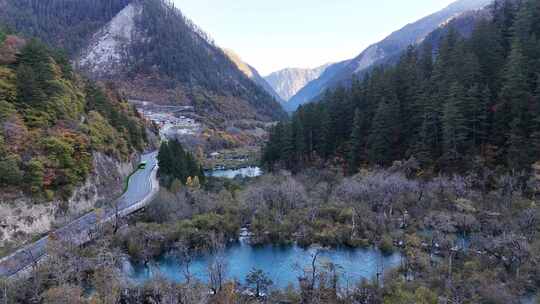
{"type": "Point", "coordinates": [52, 121]}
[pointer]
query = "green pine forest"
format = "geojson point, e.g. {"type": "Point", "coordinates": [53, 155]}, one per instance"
{"type": "Point", "coordinates": [63, 24]}
{"type": "Point", "coordinates": [52, 121]}
{"type": "Point", "coordinates": [178, 167]}
{"type": "Point", "coordinates": [451, 105]}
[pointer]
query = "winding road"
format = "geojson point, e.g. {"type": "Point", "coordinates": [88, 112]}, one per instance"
{"type": "Point", "coordinates": [142, 188]}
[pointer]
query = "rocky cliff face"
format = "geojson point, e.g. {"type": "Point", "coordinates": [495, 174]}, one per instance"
{"type": "Point", "coordinates": [288, 82]}
{"type": "Point", "coordinates": [150, 51]}
{"type": "Point", "coordinates": [108, 47]}
{"type": "Point", "coordinates": [175, 63]}
{"type": "Point", "coordinates": [22, 218]}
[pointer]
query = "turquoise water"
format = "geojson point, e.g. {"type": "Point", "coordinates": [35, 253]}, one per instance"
{"type": "Point", "coordinates": [232, 173]}
{"type": "Point", "coordinates": [283, 264]}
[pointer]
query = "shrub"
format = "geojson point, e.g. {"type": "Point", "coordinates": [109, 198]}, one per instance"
{"type": "Point", "coordinates": [8, 89]}
{"type": "Point", "coordinates": [386, 244]}
{"type": "Point", "coordinates": [35, 172]}
{"type": "Point", "coordinates": [10, 173]}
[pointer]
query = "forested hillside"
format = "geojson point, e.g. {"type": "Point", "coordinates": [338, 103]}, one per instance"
{"type": "Point", "coordinates": [149, 49]}
{"type": "Point", "coordinates": [63, 24]}
{"type": "Point", "coordinates": [476, 101]}
{"type": "Point", "coordinates": [52, 121]}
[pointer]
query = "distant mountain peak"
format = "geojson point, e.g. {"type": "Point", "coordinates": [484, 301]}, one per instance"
{"type": "Point", "coordinates": [394, 44]}
{"type": "Point", "coordinates": [287, 82]}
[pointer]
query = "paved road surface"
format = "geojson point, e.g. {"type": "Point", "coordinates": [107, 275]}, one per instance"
{"type": "Point", "coordinates": [142, 187]}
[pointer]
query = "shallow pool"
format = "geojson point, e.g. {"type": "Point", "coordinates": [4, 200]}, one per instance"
{"type": "Point", "coordinates": [232, 173]}
{"type": "Point", "coordinates": [283, 264]}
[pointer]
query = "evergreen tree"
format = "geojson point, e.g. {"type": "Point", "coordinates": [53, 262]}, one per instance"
{"type": "Point", "coordinates": [288, 151]}
{"type": "Point", "coordinates": [384, 132]}
{"type": "Point", "coordinates": [34, 75]}
{"type": "Point", "coordinates": [486, 44]}
{"type": "Point", "coordinates": [476, 96]}
{"type": "Point", "coordinates": [423, 147]}
{"type": "Point", "coordinates": [426, 61]}
{"type": "Point", "coordinates": [535, 135]}
{"type": "Point", "coordinates": [454, 125]}
{"type": "Point", "coordinates": [357, 143]}
{"type": "Point", "coordinates": [177, 164]}
{"type": "Point", "coordinates": [165, 159]}
{"type": "Point", "coordinates": [503, 13]}
{"type": "Point", "coordinates": [518, 155]}
{"type": "Point", "coordinates": [327, 144]}
{"type": "Point", "coordinates": [299, 141]}
{"type": "Point", "coordinates": [478, 107]}
{"type": "Point", "coordinates": [272, 151]}
{"type": "Point", "coordinates": [514, 98]}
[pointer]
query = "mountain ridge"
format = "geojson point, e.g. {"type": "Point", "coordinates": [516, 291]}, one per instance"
{"type": "Point", "coordinates": [287, 82]}
{"type": "Point", "coordinates": [393, 44]}
{"type": "Point", "coordinates": [252, 74]}
{"type": "Point", "coordinates": [149, 50]}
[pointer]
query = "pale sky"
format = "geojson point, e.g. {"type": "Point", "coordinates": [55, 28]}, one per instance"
{"type": "Point", "coordinates": [275, 34]}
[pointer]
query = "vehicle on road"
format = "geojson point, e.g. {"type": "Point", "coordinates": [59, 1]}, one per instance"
{"type": "Point", "coordinates": [142, 165]}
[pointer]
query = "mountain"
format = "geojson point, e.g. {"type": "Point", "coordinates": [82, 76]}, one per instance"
{"type": "Point", "coordinates": [288, 82]}
{"type": "Point", "coordinates": [313, 88]}
{"type": "Point", "coordinates": [149, 50]}
{"type": "Point", "coordinates": [464, 87]}
{"type": "Point", "coordinates": [391, 46]}
{"type": "Point", "coordinates": [252, 74]}
{"type": "Point", "coordinates": [66, 143]}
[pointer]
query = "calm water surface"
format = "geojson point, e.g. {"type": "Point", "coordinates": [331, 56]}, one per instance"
{"type": "Point", "coordinates": [232, 173]}
{"type": "Point", "coordinates": [283, 264]}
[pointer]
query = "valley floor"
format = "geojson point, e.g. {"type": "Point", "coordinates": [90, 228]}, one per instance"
{"type": "Point", "coordinates": [456, 241]}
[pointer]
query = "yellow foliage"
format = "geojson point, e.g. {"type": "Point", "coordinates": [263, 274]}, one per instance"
{"type": "Point", "coordinates": [8, 88]}
{"type": "Point", "coordinates": [105, 138]}
{"type": "Point", "coordinates": [68, 103]}
{"type": "Point", "coordinates": [101, 132]}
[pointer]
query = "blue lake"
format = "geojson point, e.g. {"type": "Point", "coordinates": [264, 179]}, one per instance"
{"type": "Point", "coordinates": [283, 264]}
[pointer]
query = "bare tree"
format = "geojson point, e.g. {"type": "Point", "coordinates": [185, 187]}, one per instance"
{"type": "Point", "coordinates": [5, 287]}
{"type": "Point", "coordinates": [217, 272]}
{"type": "Point", "coordinates": [308, 280]}
{"type": "Point", "coordinates": [185, 256]}
{"type": "Point", "coordinates": [217, 269]}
